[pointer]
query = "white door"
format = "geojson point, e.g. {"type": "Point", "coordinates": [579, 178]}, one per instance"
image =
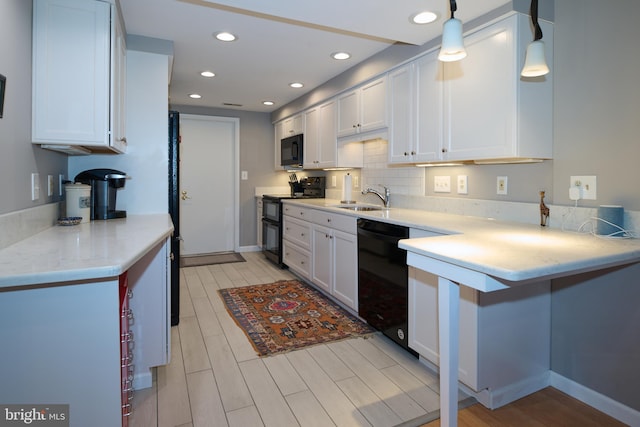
{"type": "Point", "coordinates": [208, 159]}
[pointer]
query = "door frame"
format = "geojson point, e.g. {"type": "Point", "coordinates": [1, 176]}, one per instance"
{"type": "Point", "coordinates": [235, 166]}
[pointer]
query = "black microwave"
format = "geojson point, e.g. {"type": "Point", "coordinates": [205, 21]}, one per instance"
{"type": "Point", "coordinates": [291, 151]}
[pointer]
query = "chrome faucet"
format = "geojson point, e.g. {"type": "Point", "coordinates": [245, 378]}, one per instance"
{"type": "Point", "coordinates": [384, 198]}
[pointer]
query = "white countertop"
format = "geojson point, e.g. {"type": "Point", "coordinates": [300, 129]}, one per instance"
{"type": "Point", "coordinates": [509, 251]}
{"type": "Point", "coordinates": [93, 250]}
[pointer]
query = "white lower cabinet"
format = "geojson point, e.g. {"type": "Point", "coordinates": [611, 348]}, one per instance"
{"type": "Point", "coordinates": [323, 248]}
{"type": "Point", "coordinates": [504, 336]}
{"type": "Point", "coordinates": [296, 242]}
{"type": "Point", "coordinates": [297, 259]}
{"type": "Point", "coordinates": [335, 262]}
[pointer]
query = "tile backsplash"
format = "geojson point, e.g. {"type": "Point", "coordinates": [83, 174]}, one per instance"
{"type": "Point", "coordinates": [407, 184]}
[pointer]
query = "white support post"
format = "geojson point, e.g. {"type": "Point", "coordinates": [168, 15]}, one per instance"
{"type": "Point", "coordinates": [448, 312]}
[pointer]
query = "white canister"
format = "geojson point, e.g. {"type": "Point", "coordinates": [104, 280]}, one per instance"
{"type": "Point", "coordinates": [79, 200]}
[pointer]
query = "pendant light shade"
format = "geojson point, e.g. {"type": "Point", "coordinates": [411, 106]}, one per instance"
{"type": "Point", "coordinates": [452, 48]}
{"type": "Point", "coordinates": [535, 64]}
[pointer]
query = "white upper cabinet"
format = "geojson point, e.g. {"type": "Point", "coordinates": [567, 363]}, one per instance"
{"type": "Point", "coordinates": [321, 147]}
{"type": "Point", "coordinates": [320, 143]}
{"type": "Point", "coordinates": [478, 108]}
{"type": "Point", "coordinates": [79, 71]}
{"type": "Point", "coordinates": [293, 126]}
{"type": "Point", "coordinates": [415, 111]}
{"type": "Point", "coordinates": [363, 109]}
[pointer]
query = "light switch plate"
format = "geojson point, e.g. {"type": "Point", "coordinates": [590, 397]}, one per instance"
{"type": "Point", "coordinates": [442, 184]}
{"type": "Point", "coordinates": [50, 185]}
{"type": "Point", "coordinates": [35, 186]}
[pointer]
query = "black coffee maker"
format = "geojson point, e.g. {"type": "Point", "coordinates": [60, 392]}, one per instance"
{"type": "Point", "coordinates": [104, 186]}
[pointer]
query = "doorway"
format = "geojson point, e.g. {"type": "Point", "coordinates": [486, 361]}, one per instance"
{"type": "Point", "coordinates": [209, 190]}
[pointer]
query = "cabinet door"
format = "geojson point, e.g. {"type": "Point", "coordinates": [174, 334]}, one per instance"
{"type": "Point", "coordinates": [311, 140]}
{"type": "Point", "coordinates": [293, 126]}
{"type": "Point", "coordinates": [71, 60]}
{"type": "Point", "coordinates": [321, 253]}
{"type": "Point", "coordinates": [401, 115]}
{"type": "Point", "coordinates": [429, 108]}
{"type": "Point", "coordinates": [327, 139]}
{"type": "Point", "coordinates": [480, 94]}
{"type": "Point", "coordinates": [423, 324]}
{"type": "Point", "coordinates": [278, 130]}
{"type": "Point", "coordinates": [345, 268]}
{"type": "Point", "coordinates": [118, 139]}
{"type": "Point", "coordinates": [348, 114]}
{"type": "Point", "coordinates": [373, 106]}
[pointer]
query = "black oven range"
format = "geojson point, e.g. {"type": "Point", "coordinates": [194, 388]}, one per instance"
{"type": "Point", "coordinates": [306, 188]}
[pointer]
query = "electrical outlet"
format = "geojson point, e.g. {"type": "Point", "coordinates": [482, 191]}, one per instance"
{"type": "Point", "coordinates": [586, 186]}
{"type": "Point", "coordinates": [502, 185]}
{"type": "Point", "coordinates": [244, 175]}
{"type": "Point", "coordinates": [35, 186]}
{"type": "Point", "coordinates": [462, 184]}
{"type": "Point", "coordinates": [334, 181]}
{"type": "Point", "coordinates": [356, 184]}
{"type": "Point", "coordinates": [442, 184]}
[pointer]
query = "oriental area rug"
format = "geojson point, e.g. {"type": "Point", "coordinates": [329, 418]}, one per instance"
{"type": "Point", "coordinates": [288, 315]}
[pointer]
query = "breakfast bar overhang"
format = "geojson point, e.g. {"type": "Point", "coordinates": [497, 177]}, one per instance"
{"type": "Point", "coordinates": [500, 259]}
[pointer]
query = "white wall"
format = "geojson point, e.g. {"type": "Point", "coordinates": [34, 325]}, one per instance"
{"type": "Point", "coordinates": [147, 158]}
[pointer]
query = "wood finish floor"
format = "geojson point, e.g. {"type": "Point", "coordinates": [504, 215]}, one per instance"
{"type": "Point", "coordinates": [216, 379]}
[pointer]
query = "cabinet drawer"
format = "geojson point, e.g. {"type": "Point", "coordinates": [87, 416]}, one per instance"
{"type": "Point", "coordinates": [297, 231]}
{"type": "Point", "coordinates": [297, 259]}
{"type": "Point", "coordinates": [297, 212]}
{"type": "Point", "coordinates": [345, 223]}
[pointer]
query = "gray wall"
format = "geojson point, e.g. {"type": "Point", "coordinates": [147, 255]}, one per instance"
{"type": "Point", "coordinates": [19, 157]}
{"type": "Point", "coordinates": [256, 157]}
{"type": "Point", "coordinates": [596, 318]}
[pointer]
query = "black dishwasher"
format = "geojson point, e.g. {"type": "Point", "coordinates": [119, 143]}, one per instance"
{"type": "Point", "coordinates": [383, 278]}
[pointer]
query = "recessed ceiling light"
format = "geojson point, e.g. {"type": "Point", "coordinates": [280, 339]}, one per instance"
{"type": "Point", "coordinates": [268, 102]}
{"type": "Point", "coordinates": [296, 85]}
{"type": "Point", "coordinates": [426, 17]}
{"type": "Point", "coordinates": [341, 55]}
{"type": "Point", "coordinates": [225, 36]}
{"type": "Point", "coordinates": [195, 96]}
{"type": "Point", "coordinates": [207, 74]}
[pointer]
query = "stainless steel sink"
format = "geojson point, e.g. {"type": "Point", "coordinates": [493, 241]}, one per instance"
{"type": "Point", "coordinates": [362, 208]}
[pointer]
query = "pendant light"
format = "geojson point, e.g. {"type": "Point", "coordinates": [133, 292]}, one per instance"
{"type": "Point", "coordinates": [452, 43]}
{"type": "Point", "coordinates": [535, 64]}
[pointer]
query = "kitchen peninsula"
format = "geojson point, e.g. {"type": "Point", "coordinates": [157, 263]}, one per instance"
{"type": "Point", "coordinates": [62, 293]}
{"type": "Point", "coordinates": [490, 256]}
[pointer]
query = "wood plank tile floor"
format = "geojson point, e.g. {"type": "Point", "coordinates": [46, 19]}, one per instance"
{"type": "Point", "coordinates": [216, 379]}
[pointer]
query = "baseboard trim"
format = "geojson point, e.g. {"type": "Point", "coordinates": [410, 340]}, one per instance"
{"type": "Point", "coordinates": [599, 401]}
{"type": "Point", "coordinates": [142, 380]}
{"type": "Point", "coordinates": [495, 398]}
